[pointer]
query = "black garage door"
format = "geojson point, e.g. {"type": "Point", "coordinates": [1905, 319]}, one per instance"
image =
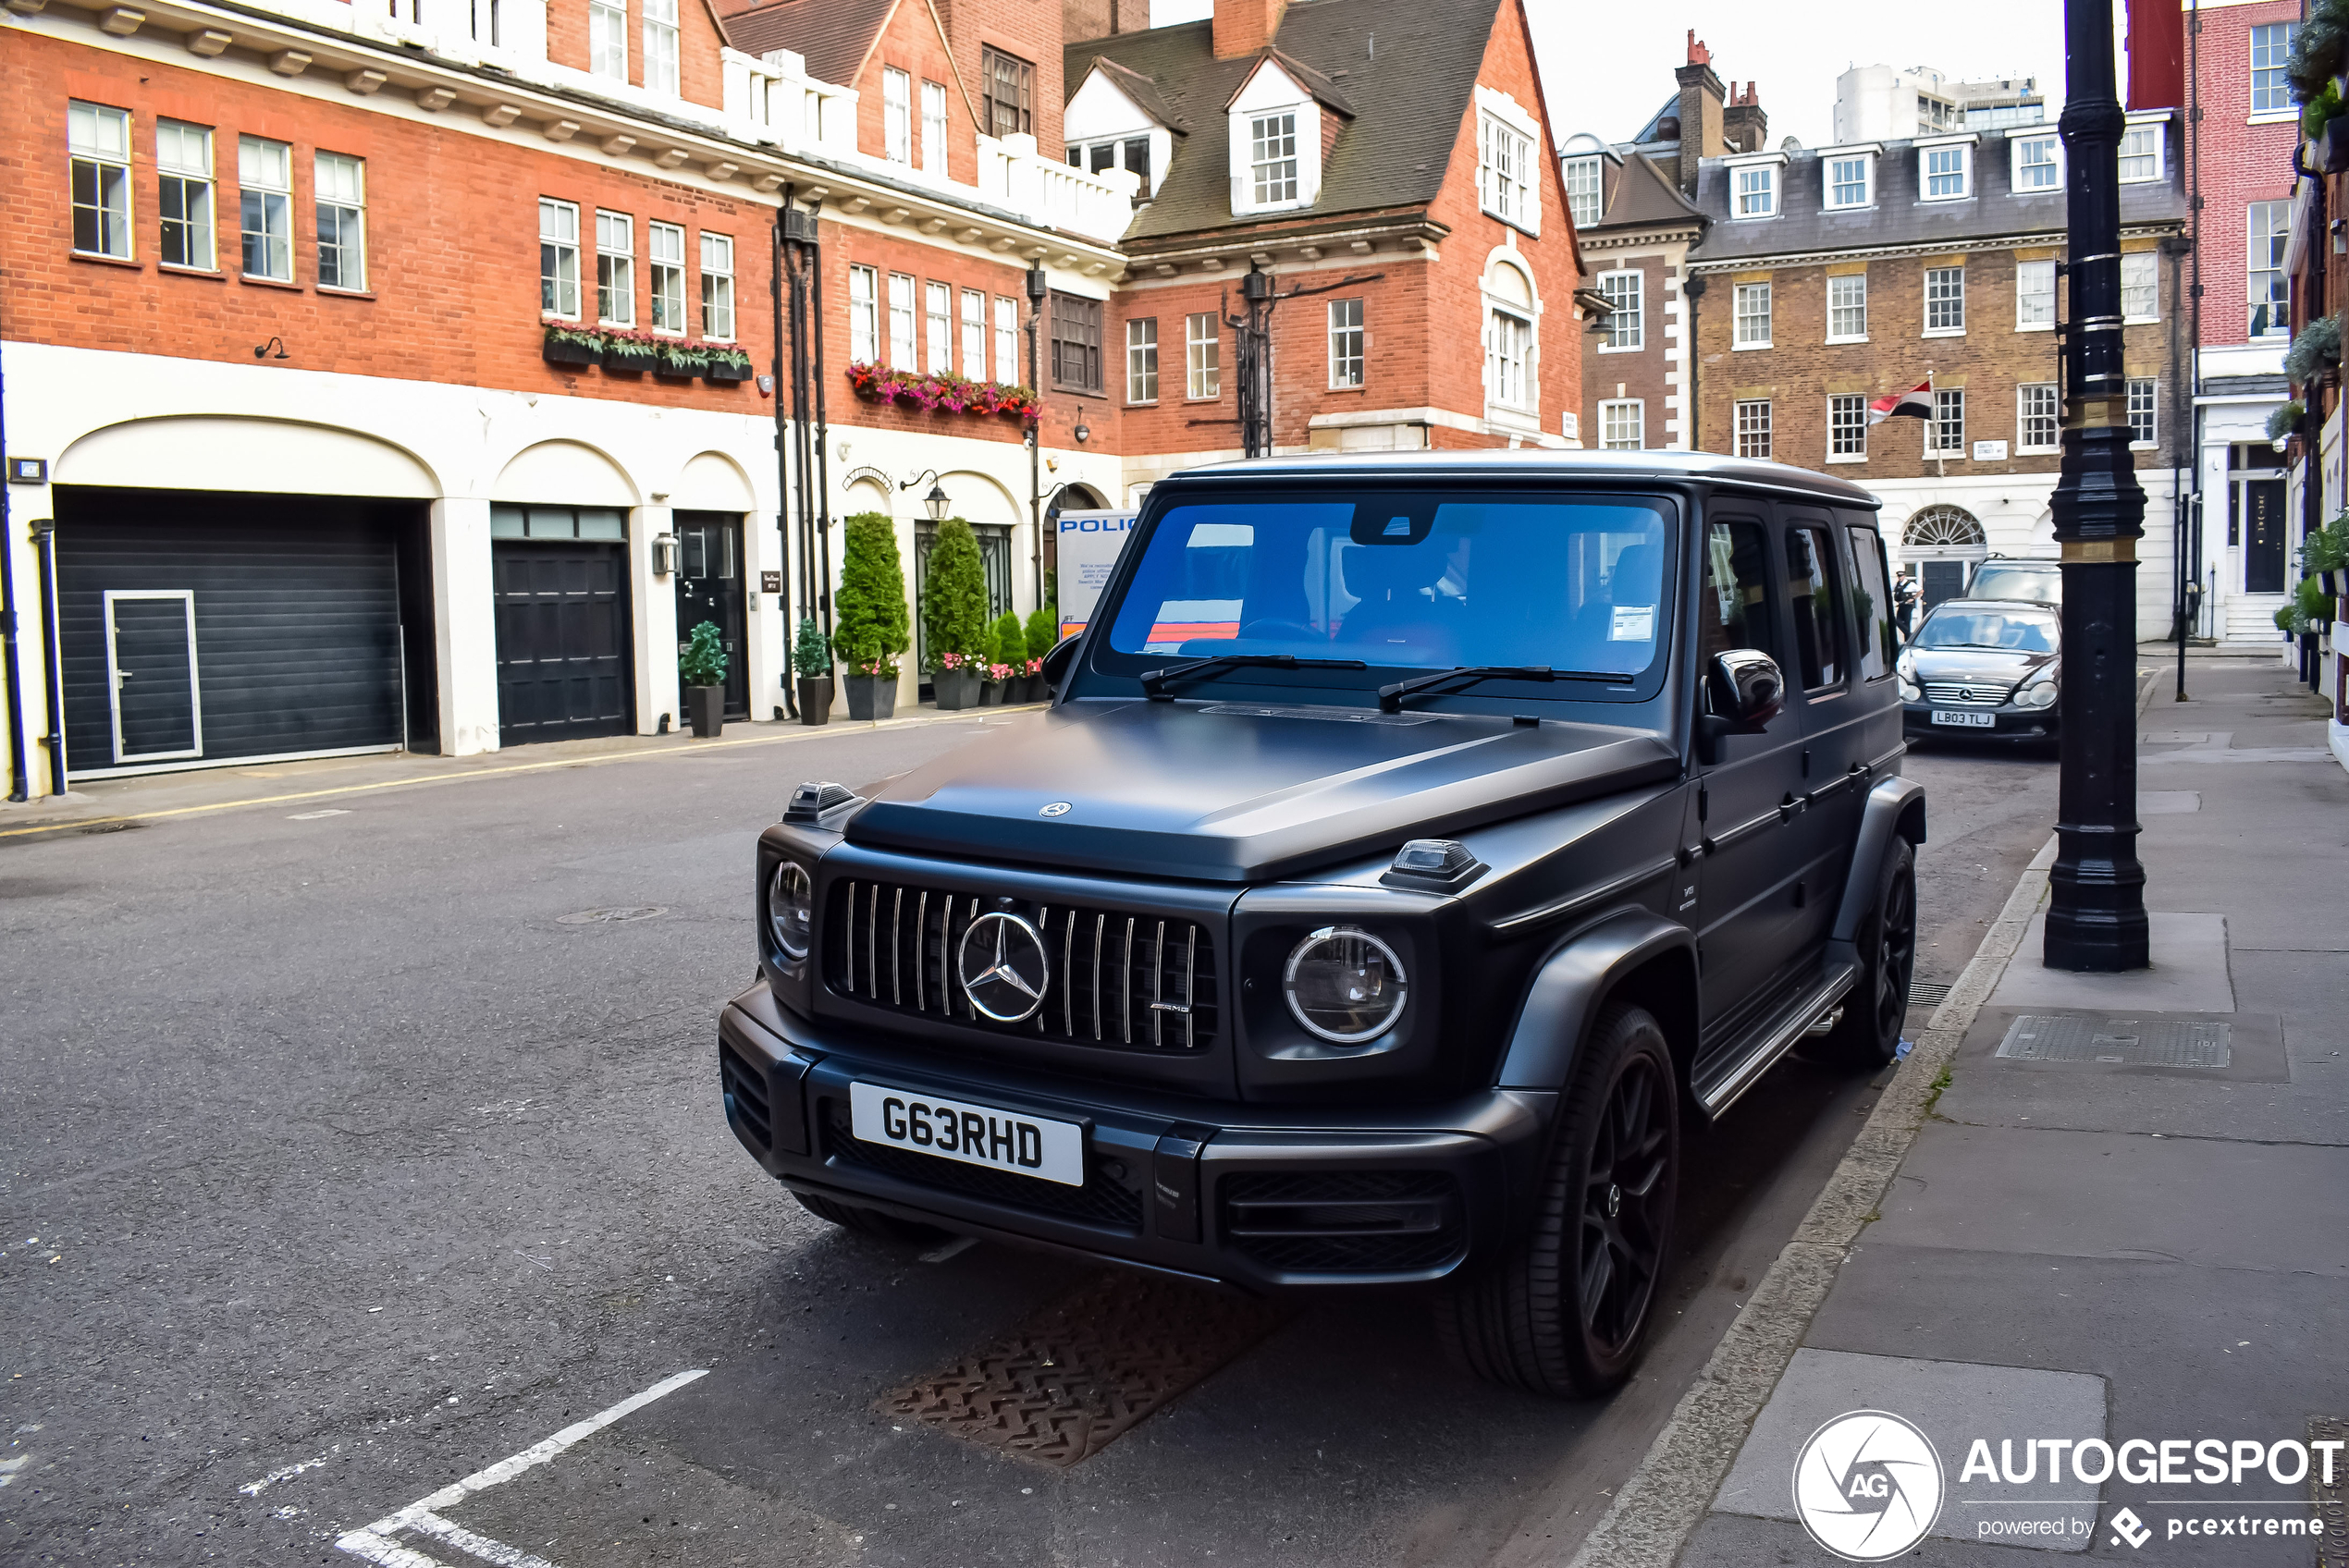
{"type": "Point", "coordinates": [198, 627]}
{"type": "Point", "coordinates": [563, 671]}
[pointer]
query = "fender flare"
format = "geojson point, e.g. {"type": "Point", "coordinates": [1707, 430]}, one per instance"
{"type": "Point", "coordinates": [1567, 987]}
{"type": "Point", "coordinates": [1894, 805]}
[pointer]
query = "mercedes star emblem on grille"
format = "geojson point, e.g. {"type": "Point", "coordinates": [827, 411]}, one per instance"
{"type": "Point", "coordinates": [1965, 693]}
{"type": "Point", "coordinates": [1003, 967]}
{"type": "Point", "coordinates": [1058, 808]}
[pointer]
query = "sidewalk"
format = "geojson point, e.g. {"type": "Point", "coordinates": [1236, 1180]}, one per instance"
{"type": "Point", "coordinates": [96, 805]}
{"type": "Point", "coordinates": [2127, 1213]}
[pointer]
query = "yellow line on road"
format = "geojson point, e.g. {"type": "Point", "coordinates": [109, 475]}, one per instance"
{"type": "Point", "coordinates": [704, 748]}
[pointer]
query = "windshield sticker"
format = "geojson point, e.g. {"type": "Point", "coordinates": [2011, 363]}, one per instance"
{"type": "Point", "coordinates": [1633, 623]}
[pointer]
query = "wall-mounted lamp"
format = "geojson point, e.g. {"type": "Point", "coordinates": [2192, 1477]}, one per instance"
{"type": "Point", "coordinates": [936, 503]}
{"type": "Point", "coordinates": [664, 555]}
{"type": "Point", "coordinates": [261, 351]}
{"type": "Point", "coordinates": [1083, 433]}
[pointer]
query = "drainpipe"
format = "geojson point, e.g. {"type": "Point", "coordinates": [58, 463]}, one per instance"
{"type": "Point", "coordinates": [823, 429]}
{"type": "Point", "coordinates": [2194, 255]}
{"type": "Point", "coordinates": [1692, 290]}
{"type": "Point", "coordinates": [1038, 290]}
{"type": "Point", "coordinates": [44, 531]}
{"type": "Point", "coordinates": [782, 458]}
{"type": "Point", "coordinates": [20, 782]}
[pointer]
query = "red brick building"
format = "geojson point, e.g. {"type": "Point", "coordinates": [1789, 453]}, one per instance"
{"type": "Point", "coordinates": [381, 378]}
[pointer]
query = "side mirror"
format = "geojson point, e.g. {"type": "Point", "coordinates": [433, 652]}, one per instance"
{"type": "Point", "coordinates": [1059, 661]}
{"type": "Point", "coordinates": [1745, 690]}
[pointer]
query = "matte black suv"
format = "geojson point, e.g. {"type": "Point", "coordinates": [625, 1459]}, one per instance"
{"type": "Point", "coordinates": [1411, 846]}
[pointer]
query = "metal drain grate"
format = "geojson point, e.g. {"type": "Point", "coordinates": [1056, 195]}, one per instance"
{"type": "Point", "coordinates": [1065, 1383]}
{"type": "Point", "coordinates": [2153, 1042]}
{"type": "Point", "coordinates": [1927, 993]}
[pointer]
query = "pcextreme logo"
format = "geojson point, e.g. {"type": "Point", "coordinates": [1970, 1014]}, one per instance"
{"type": "Point", "coordinates": [1867, 1486]}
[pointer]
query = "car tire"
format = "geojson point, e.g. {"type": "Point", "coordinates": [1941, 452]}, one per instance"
{"type": "Point", "coordinates": [1869, 1031]}
{"type": "Point", "coordinates": [870, 1222]}
{"type": "Point", "coordinates": [1567, 1312]}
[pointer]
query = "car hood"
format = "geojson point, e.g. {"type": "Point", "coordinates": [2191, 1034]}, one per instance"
{"type": "Point", "coordinates": [1999, 667]}
{"type": "Point", "coordinates": [1238, 792]}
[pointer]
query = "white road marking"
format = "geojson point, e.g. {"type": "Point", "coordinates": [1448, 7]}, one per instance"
{"type": "Point", "coordinates": [254, 1488]}
{"type": "Point", "coordinates": [314, 815]}
{"type": "Point", "coordinates": [10, 1465]}
{"type": "Point", "coordinates": [375, 1544]}
{"type": "Point", "coordinates": [480, 1546]}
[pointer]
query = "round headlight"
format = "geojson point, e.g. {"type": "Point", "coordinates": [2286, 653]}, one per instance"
{"type": "Point", "coordinates": [791, 909]}
{"type": "Point", "coordinates": [1909, 691]}
{"type": "Point", "coordinates": [2041, 695]}
{"type": "Point", "coordinates": [1344, 984]}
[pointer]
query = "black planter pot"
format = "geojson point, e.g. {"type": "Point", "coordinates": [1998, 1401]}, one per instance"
{"type": "Point", "coordinates": [571, 354]}
{"type": "Point", "coordinates": [956, 689]}
{"type": "Point", "coordinates": [870, 697]}
{"type": "Point", "coordinates": [705, 707]}
{"type": "Point", "coordinates": [2333, 146]}
{"type": "Point", "coordinates": [629, 364]}
{"type": "Point", "coordinates": [725, 373]}
{"type": "Point", "coordinates": [991, 693]}
{"type": "Point", "coordinates": [815, 699]}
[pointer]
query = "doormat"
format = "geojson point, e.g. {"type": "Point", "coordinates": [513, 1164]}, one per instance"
{"type": "Point", "coordinates": [1078, 1373]}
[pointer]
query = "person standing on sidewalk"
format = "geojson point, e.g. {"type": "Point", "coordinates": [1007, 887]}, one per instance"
{"type": "Point", "coordinates": [1906, 596]}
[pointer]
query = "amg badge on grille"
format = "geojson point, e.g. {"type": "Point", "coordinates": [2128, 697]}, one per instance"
{"type": "Point", "coordinates": [1003, 967]}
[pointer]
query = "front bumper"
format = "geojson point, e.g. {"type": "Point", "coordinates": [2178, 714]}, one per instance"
{"type": "Point", "coordinates": [2008, 723]}
{"type": "Point", "coordinates": [1264, 1200]}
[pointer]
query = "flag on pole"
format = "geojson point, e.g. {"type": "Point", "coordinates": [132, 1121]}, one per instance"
{"type": "Point", "coordinates": [1915, 403]}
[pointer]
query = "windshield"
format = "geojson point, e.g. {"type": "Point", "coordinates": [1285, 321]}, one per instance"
{"type": "Point", "coordinates": [2022, 632]}
{"type": "Point", "coordinates": [2018, 582]}
{"type": "Point", "coordinates": [1404, 579]}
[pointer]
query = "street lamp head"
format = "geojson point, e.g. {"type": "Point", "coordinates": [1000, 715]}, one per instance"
{"type": "Point", "coordinates": [935, 503]}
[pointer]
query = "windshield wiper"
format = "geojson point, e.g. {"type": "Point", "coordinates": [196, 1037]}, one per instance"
{"type": "Point", "coordinates": [1155, 682]}
{"type": "Point", "coordinates": [1390, 698]}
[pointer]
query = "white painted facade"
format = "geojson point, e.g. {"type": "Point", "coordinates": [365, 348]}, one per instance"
{"type": "Point", "coordinates": [2017, 520]}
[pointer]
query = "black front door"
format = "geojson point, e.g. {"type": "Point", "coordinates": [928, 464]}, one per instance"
{"type": "Point", "coordinates": [2264, 535]}
{"type": "Point", "coordinates": [1941, 580]}
{"type": "Point", "coordinates": [152, 637]}
{"type": "Point", "coordinates": [709, 587]}
{"type": "Point", "coordinates": [562, 640]}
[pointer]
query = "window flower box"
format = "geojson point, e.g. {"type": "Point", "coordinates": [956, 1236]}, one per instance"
{"type": "Point", "coordinates": [680, 361]}
{"type": "Point", "coordinates": [932, 392]}
{"type": "Point", "coordinates": [564, 345]}
{"type": "Point", "coordinates": [631, 353]}
{"type": "Point", "coordinates": [726, 367]}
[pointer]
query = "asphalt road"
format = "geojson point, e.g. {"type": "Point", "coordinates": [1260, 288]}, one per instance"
{"type": "Point", "coordinates": [337, 1165]}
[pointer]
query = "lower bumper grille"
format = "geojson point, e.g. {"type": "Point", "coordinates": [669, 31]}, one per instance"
{"type": "Point", "coordinates": [1102, 1200]}
{"type": "Point", "coordinates": [1978, 694]}
{"type": "Point", "coordinates": [1344, 1222]}
{"type": "Point", "coordinates": [745, 1089]}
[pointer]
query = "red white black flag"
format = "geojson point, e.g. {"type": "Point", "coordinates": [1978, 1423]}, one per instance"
{"type": "Point", "coordinates": [1915, 403]}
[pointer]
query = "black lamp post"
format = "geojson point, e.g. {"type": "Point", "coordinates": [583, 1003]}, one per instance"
{"type": "Point", "coordinates": [1040, 289]}
{"type": "Point", "coordinates": [2097, 917]}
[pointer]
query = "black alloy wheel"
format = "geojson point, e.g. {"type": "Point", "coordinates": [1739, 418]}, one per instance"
{"type": "Point", "coordinates": [1869, 1031]}
{"type": "Point", "coordinates": [1567, 1311]}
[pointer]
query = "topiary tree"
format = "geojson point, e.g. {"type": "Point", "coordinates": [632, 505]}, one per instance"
{"type": "Point", "coordinates": [811, 656]}
{"type": "Point", "coordinates": [1007, 645]}
{"type": "Point", "coordinates": [870, 624]}
{"type": "Point", "coordinates": [955, 598]}
{"type": "Point", "coordinates": [704, 661]}
{"type": "Point", "coordinates": [1043, 631]}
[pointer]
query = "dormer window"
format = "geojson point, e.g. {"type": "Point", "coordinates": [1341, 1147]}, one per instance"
{"type": "Point", "coordinates": [1122, 153]}
{"type": "Point", "coordinates": [2141, 150]}
{"type": "Point", "coordinates": [1583, 188]}
{"type": "Point", "coordinates": [1945, 170]}
{"type": "Point", "coordinates": [1272, 159]}
{"type": "Point", "coordinates": [1849, 176]}
{"type": "Point", "coordinates": [2038, 165]}
{"type": "Point", "coordinates": [1757, 193]}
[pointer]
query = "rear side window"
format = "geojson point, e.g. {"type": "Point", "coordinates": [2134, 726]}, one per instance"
{"type": "Point", "coordinates": [1811, 606]}
{"type": "Point", "coordinates": [1735, 612]}
{"type": "Point", "coordinates": [1871, 604]}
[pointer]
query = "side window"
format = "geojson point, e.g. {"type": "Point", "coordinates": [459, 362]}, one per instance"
{"type": "Point", "coordinates": [1811, 608]}
{"type": "Point", "coordinates": [1871, 604]}
{"type": "Point", "coordinates": [1734, 610]}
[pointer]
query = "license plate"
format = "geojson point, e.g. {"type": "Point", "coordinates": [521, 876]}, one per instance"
{"type": "Point", "coordinates": [976, 1134]}
{"type": "Point", "coordinates": [1966, 720]}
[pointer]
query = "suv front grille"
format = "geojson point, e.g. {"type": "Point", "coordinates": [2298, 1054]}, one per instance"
{"type": "Point", "coordinates": [1344, 1221]}
{"type": "Point", "coordinates": [1967, 695]}
{"type": "Point", "coordinates": [1138, 982]}
{"type": "Point", "coordinates": [1102, 1200]}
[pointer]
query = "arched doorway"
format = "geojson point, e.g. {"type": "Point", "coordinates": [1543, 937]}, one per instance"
{"type": "Point", "coordinates": [1939, 542]}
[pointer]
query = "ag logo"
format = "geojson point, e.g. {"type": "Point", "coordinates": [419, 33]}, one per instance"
{"type": "Point", "coordinates": [1867, 1486]}
{"type": "Point", "coordinates": [2127, 1526]}
{"type": "Point", "coordinates": [1004, 968]}
{"type": "Point", "coordinates": [1058, 808]}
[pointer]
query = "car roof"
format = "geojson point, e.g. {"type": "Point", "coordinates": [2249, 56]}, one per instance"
{"type": "Point", "coordinates": [1971, 604]}
{"type": "Point", "coordinates": [1532, 462]}
{"type": "Point", "coordinates": [2009, 562]}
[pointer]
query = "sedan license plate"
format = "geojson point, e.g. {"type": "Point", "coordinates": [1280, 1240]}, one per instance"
{"type": "Point", "coordinates": [1966, 720]}
{"type": "Point", "coordinates": [976, 1134]}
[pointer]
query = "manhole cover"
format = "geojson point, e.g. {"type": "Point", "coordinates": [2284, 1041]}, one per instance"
{"type": "Point", "coordinates": [1065, 1383]}
{"type": "Point", "coordinates": [611, 916]}
{"type": "Point", "coordinates": [2129, 1042]}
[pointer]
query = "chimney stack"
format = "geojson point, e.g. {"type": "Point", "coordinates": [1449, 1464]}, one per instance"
{"type": "Point", "coordinates": [1701, 105]}
{"type": "Point", "coordinates": [1744, 128]}
{"type": "Point", "coordinates": [1242, 27]}
{"type": "Point", "coordinates": [1082, 20]}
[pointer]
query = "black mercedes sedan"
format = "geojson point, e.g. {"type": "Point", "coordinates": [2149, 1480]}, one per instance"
{"type": "Point", "coordinates": [1982, 668]}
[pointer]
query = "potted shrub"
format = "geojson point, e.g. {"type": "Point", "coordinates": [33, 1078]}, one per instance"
{"type": "Point", "coordinates": [726, 366]}
{"type": "Point", "coordinates": [954, 614]}
{"type": "Point", "coordinates": [2315, 352]}
{"type": "Point", "coordinates": [701, 670]}
{"type": "Point", "coordinates": [631, 353]}
{"type": "Point", "coordinates": [811, 661]}
{"type": "Point", "coordinates": [869, 626]}
{"type": "Point", "coordinates": [566, 345]}
{"type": "Point", "coordinates": [2314, 603]}
{"type": "Point", "coordinates": [1043, 631]}
{"type": "Point", "coordinates": [1007, 650]}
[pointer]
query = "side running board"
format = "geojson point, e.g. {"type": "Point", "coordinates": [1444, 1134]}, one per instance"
{"type": "Point", "coordinates": [1720, 1089]}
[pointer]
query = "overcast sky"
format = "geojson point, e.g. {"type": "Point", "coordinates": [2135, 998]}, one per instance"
{"type": "Point", "coordinates": [1606, 69]}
